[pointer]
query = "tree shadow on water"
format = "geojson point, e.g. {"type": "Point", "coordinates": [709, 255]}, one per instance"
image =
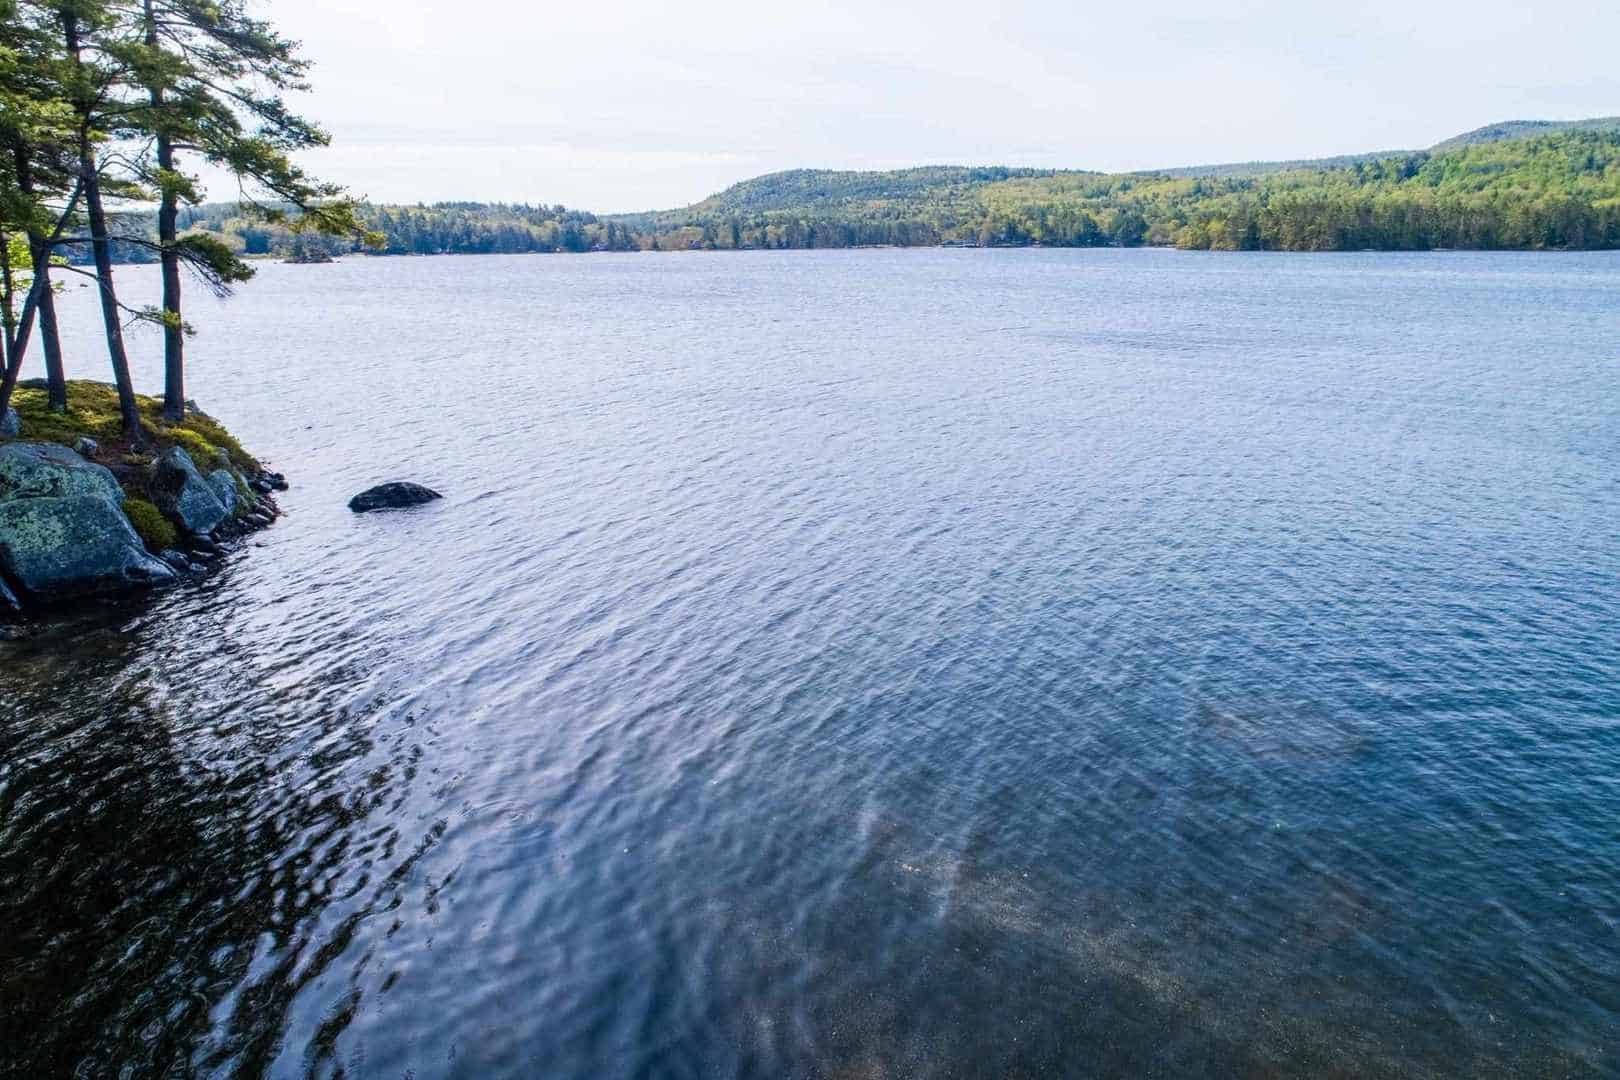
{"type": "Point", "coordinates": [174, 844]}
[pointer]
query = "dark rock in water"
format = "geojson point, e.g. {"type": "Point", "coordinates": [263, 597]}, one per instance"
{"type": "Point", "coordinates": [185, 495]}
{"type": "Point", "coordinates": [276, 480]}
{"type": "Point", "coordinates": [175, 558]}
{"type": "Point", "coordinates": [393, 495]}
{"type": "Point", "coordinates": [262, 486]}
{"type": "Point", "coordinates": [10, 424]}
{"type": "Point", "coordinates": [56, 547]}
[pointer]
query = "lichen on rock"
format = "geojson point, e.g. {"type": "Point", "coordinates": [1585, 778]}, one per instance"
{"type": "Point", "coordinates": [54, 547]}
{"type": "Point", "coordinates": [38, 470]}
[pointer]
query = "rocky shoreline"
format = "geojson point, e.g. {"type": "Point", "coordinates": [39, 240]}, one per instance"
{"type": "Point", "coordinates": [89, 520]}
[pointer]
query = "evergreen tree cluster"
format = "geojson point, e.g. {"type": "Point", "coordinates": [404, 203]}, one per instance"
{"type": "Point", "coordinates": [446, 228]}
{"type": "Point", "coordinates": [109, 102]}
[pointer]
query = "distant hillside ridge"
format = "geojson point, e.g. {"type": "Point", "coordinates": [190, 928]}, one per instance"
{"type": "Point", "coordinates": [1516, 185]}
{"type": "Point", "coordinates": [1498, 132]}
{"type": "Point", "coordinates": [1556, 187]}
{"type": "Point", "coordinates": [827, 187]}
{"type": "Point", "coordinates": [1519, 129]}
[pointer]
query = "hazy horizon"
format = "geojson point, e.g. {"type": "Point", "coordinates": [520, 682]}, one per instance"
{"type": "Point", "coordinates": [643, 106]}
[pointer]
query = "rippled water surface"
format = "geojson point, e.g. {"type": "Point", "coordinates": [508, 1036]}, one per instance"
{"type": "Point", "coordinates": [856, 664]}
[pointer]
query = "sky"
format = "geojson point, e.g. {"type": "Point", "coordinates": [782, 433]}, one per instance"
{"type": "Point", "coordinates": [622, 105]}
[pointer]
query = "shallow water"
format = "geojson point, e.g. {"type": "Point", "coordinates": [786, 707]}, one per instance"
{"type": "Point", "coordinates": [856, 664]}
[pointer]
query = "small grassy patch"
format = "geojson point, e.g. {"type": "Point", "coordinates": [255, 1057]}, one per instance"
{"type": "Point", "coordinates": [155, 530]}
{"type": "Point", "coordinates": [92, 411]}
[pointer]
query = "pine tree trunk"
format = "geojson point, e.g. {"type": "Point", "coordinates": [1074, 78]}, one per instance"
{"type": "Point", "coordinates": [174, 362]}
{"type": "Point", "coordinates": [128, 410]}
{"type": "Point", "coordinates": [127, 407]}
{"type": "Point", "coordinates": [16, 332]}
{"type": "Point", "coordinates": [49, 337]}
{"type": "Point", "coordinates": [10, 355]}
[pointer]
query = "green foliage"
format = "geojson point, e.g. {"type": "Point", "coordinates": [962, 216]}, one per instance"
{"type": "Point", "coordinates": [1531, 185]}
{"type": "Point", "coordinates": [92, 410]}
{"type": "Point", "coordinates": [155, 530]}
{"type": "Point", "coordinates": [247, 498]}
{"type": "Point", "coordinates": [200, 449]}
{"type": "Point", "coordinates": [1519, 129]}
{"type": "Point", "coordinates": [1555, 190]}
{"type": "Point", "coordinates": [164, 84]}
{"type": "Point", "coordinates": [439, 229]}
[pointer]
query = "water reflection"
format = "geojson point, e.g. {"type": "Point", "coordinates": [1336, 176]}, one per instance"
{"type": "Point", "coordinates": [1108, 694]}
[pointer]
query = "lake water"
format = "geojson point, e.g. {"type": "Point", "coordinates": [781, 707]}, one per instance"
{"type": "Point", "coordinates": [855, 664]}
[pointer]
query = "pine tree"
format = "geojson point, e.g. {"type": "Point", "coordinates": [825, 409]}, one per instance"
{"type": "Point", "coordinates": [214, 78]}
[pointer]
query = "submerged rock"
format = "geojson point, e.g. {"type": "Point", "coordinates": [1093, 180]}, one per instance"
{"type": "Point", "coordinates": [55, 547]}
{"type": "Point", "coordinates": [391, 496]}
{"type": "Point", "coordinates": [10, 424]}
{"type": "Point", "coordinates": [192, 501]}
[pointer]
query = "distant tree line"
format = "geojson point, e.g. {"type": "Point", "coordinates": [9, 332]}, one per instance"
{"type": "Point", "coordinates": [1557, 190]}
{"type": "Point", "coordinates": [1544, 189]}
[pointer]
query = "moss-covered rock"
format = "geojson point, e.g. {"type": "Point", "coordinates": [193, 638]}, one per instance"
{"type": "Point", "coordinates": [71, 526]}
{"type": "Point", "coordinates": [156, 531]}
{"type": "Point", "coordinates": [53, 548]}
{"type": "Point", "coordinates": [189, 499]}
{"type": "Point", "coordinates": [45, 470]}
{"type": "Point", "coordinates": [92, 412]}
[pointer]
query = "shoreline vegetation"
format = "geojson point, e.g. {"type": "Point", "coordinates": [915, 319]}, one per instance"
{"type": "Point", "coordinates": [104, 104]}
{"type": "Point", "coordinates": [87, 511]}
{"type": "Point", "coordinates": [1538, 185]}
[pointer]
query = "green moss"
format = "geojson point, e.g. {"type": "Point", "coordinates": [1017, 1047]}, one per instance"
{"type": "Point", "coordinates": [92, 410]}
{"type": "Point", "coordinates": [200, 449]}
{"type": "Point", "coordinates": [155, 530]}
{"type": "Point", "coordinates": [249, 498]}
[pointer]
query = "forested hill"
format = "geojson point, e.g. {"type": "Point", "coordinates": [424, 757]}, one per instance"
{"type": "Point", "coordinates": [851, 192]}
{"type": "Point", "coordinates": [1499, 132]}
{"type": "Point", "coordinates": [1526, 184]}
{"type": "Point", "coordinates": [1519, 129]}
{"type": "Point", "coordinates": [1555, 190]}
